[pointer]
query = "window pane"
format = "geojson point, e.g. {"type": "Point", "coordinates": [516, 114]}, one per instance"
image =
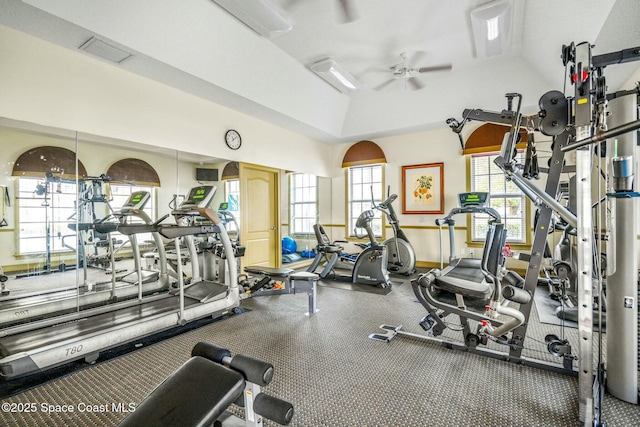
{"type": "Point", "coordinates": [232, 192]}
{"type": "Point", "coordinates": [505, 198]}
{"type": "Point", "coordinates": [512, 188]}
{"type": "Point", "coordinates": [303, 205]}
{"type": "Point", "coordinates": [362, 181]}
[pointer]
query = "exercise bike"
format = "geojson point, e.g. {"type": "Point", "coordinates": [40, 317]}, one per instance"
{"type": "Point", "coordinates": [370, 265]}
{"type": "Point", "coordinates": [400, 253]}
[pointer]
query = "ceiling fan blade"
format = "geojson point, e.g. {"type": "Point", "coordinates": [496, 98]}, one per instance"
{"type": "Point", "coordinates": [347, 11]}
{"type": "Point", "coordinates": [384, 85]}
{"type": "Point", "coordinates": [444, 67]}
{"type": "Point", "coordinates": [414, 83]}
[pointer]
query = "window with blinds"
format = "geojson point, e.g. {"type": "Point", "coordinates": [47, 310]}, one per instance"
{"type": "Point", "coordinates": [362, 180]}
{"type": "Point", "coordinates": [504, 197]}
{"type": "Point", "coordinates": [303, 204]}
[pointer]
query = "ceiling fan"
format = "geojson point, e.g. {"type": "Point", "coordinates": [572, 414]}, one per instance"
{"type": "Point", "coordinates": [407, 72]}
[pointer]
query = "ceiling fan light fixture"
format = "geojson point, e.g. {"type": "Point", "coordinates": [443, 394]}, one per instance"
{"type": "Point", "coordinates": [335, 74]}
{"type": "Point", "coordinates": [491, 25]}
{"type": "Point", "coordinates": [259, 15]}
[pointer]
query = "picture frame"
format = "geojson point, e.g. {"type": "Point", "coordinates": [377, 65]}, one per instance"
{"type": "Point", "coordinates": [423, 189]}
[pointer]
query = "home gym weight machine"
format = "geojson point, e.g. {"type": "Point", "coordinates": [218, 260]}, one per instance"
{"type": "Point", "coordinates": [593, 126]}
{"type": "Point", "coordinates": [576, 123]}
{"type": "Point", "coordinates": [489, 327]}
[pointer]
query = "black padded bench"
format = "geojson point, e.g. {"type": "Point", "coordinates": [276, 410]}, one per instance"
{"type": "Point", "coordinates": [200, 391]}
{"type": "Point", "coordinates": [196, 394]}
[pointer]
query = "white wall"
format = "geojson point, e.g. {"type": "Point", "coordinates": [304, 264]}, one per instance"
{"type": "Point", "coordinates": [46, 84]}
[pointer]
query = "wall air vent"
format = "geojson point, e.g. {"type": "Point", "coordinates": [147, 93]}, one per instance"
{"type": "Point", "coordinates": [105, 50]}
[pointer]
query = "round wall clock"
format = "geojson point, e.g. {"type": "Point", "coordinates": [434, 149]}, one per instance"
{"type": "Point", "coordinates": [233, 139]}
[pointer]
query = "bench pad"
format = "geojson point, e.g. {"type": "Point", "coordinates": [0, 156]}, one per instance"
{"type": "Point", "coordinates": [194, 395]}
{"type": "Point", "coordinates": [465, 288]}
{"type": "Point", "coordinates": [269, 271]}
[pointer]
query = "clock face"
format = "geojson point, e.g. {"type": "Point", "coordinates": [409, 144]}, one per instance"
{"type": "Point", "coordinates": [233, 139]}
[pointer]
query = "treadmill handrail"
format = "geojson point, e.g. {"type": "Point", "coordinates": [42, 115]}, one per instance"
{"type": "Point", "coordinates": [172, 231]}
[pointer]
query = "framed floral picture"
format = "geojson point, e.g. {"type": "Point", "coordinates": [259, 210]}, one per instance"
{"type": "Point", "coordinates": [423, 189]}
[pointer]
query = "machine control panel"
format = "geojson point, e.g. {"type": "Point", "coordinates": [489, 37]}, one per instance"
{"type": "Point", "coordinates": [137, 200]}
{"type": "Point", "coordinates": [198, 197]}
{"type": "Point", "coordinates": [477, 199]}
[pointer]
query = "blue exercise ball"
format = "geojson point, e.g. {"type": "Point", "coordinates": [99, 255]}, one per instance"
{"type": "Point", "coordinates": [288, 245]}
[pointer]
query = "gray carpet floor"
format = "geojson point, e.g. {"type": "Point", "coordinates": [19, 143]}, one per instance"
{"type": "Point", "coordinates": [334, 374]}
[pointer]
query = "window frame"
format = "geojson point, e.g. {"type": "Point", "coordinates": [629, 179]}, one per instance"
{"type": "Point", "coordinates": [48, 221]}
{"type": "Point", "coordinates": [379, 220]}
{"type": "Point", "coordinates": [293, 203]}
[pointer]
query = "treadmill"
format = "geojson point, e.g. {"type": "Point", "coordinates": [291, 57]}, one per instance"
{"type": "Point", "coordinates": [465, 270]}
{"type": "Point", "coordinates": [134, 208]}
{"type": "Point", "coordinates": [23, 307]}
{"type": "Point", "coordinates": [38, 346]}
{"type": "Point", "coordinates": [200, 289]}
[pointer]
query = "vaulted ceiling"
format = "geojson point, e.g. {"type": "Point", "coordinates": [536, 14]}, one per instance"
{"type": "Point", "coordinates": [198, 47]}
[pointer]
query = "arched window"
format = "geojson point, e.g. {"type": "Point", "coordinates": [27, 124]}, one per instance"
{"type": "Point", "coordinates": [130, 175]}
{"type": "Point", "coordinates": [364, 161]}
{"type": "Point", "coordinates": [46, 198]}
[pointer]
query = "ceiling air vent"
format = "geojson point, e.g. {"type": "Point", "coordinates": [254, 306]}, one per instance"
{"type": "Point", "coordinates": [105, 50]}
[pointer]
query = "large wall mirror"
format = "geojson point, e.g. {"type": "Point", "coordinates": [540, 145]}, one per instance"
{"type": "Point", "coordinates": [63, 193]}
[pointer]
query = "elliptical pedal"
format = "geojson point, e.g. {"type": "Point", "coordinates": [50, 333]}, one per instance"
{"type": "Point", "coordinates": [391, 332]}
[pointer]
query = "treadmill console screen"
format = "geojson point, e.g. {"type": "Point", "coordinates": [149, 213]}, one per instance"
{"type": "Point", "coordinates": [479, 200]}
{"type": "Point", "coordinates": [137, 200]}
{"type": "Point", "coordinates": [224, 206]}
{"type": "Point", "coordinates": [198, 197]}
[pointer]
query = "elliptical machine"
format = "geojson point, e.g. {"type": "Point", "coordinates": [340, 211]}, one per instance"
{"type": "Point", "coordinates": [401, 255]}
{"type": "Point", "coordinates": [370, 266]}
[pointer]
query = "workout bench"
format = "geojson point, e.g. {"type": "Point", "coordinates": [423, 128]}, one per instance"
{"type": "Point", "coordinates": [305, 281]}
{"type": "Point", "coordinates": [200, 391]}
